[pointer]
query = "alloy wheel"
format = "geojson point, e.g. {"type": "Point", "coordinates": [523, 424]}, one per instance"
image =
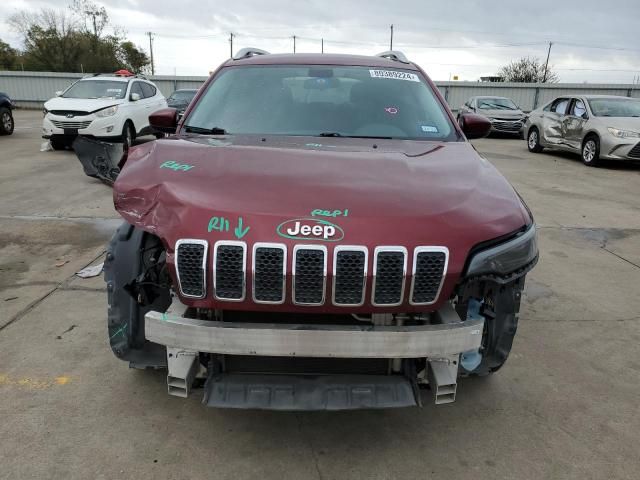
{"type": "Point", "coordinates": [589, 151]}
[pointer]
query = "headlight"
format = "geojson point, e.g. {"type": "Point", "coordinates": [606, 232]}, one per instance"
{"type": "Point", "coordinates": [616, 132]}
{"type": "Point", "coordinates": [107, 112]}
{"type": "Point", "coordinates": [507, 257]}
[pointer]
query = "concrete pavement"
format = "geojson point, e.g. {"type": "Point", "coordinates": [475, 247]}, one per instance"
{"type": "Point", "coordinates": [564, 406]}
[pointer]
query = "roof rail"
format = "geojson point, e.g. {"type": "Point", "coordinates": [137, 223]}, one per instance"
{"type": "Point", "coordinates": [115, 74]}
{"type": "Point", "coordinates": [395, 55]}
{"type": "Point", "coordinates": [248, 53]}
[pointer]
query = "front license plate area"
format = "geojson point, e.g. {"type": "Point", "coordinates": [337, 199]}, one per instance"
{"type": "Point", "coordinates": [71, 131]}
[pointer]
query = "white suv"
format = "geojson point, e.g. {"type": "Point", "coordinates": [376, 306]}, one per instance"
{"type": "Point", "coordinates": [109, 107]}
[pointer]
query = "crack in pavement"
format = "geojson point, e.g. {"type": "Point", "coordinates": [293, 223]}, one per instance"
{"type": "Point", "coordinates": [59, 286]}
{"type": "Point", "coordinates": [311, 447]}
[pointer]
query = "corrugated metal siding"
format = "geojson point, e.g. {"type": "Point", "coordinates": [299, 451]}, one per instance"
{"type": "Point", "coordinates": [32, 89]}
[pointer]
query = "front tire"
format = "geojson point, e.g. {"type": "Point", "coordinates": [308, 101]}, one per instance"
{"type": "Point", "coordinates": [533, 140]}
{"type": "Point", "coordinates": [128, 135]}
{"type": "Point", "coordinates": [591, 151]}
{"type": "Point", "coordinates": [124, 268]}
{"type": "Point", "coordinates": [6, 121]}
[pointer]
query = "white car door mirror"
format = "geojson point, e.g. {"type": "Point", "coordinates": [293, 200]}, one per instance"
{"type": "Point", "coordinates": [134, 97]}
{"type": "Point", "coordinates": [58, 93]}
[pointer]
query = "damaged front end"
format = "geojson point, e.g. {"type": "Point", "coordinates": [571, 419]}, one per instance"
{"type": "Point", "coordinates": [101, 160]}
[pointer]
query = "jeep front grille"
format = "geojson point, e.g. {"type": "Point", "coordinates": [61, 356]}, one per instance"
{"type": "Point", "coordinates": [229, 260]}
{"type": "Point", "coordinates": [350, 275]}
{"type": "Point", "coordinates": [309, 274]}
{"type": "Point", "coordinates": [429, 264]}
{"type": "Point", "coordinates": [191, 257]}
{"type": "Point", "coordinates": [389, 271]}
{"type": "Point", "coordinates": [269, 272]}
{"type": "Point", "coordinates": [397, 276]}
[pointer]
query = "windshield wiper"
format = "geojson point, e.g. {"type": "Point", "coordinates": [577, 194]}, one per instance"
{"type": "Point", "coordinates": [206, 131]}
{"type": "Point", "coordinates": [337, 134]}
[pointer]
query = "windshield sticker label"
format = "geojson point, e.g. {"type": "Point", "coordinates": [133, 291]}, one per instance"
{"type": "Point", "coordinates": [329, 213]}
{"type": "Point", "coordinates": [391, 110]}
{"type": "Point", "coordinates": [115, 90]}
{"type": "Point", "coordinates": [310, 229]}
{"type": "Point", "coordinates": [176, 166]}
{"type": "Point", "coordinates": [429, 129]}
{"type": "Point", "coordinates": [394, 74]}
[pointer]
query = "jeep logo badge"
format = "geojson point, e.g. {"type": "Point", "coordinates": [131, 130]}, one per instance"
{"type": "Point", "coordinates": [310, 229]}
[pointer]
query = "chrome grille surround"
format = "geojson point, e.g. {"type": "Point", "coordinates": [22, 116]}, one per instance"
{"type": "Point", "coordinates": [416, 252]}
{"type": "Point", "coordinates": [203, 267]}
{"type": "Point", "coordinates": [376, 283]}
{"type": "Point", "coordinates": [217, 280]}
{"type": "Point", "coordinates": [297, 274]}
{"type": "Point", "coordinates": [255, 271]}
{"type": "Point", "coordinates": [344, 249]}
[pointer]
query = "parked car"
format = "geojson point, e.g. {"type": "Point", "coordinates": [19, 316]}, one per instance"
{"type": "Point", "coordinates": [505, 116]}
{"type": "Point", "coordinates": [316, 233]}
{"type": "Point", "coordinates": [112, 107]}
{"type": "Point", "coordinates": [598, 127]}
{"type": "Point", "coordinates": [6, 115]}
{"type": "Point", "coordinates": [180, 99]}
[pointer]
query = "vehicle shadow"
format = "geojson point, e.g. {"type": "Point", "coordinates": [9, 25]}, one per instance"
{"type": "Point", "coordinates": [622, 165]}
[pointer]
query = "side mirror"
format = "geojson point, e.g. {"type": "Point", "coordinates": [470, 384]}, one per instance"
{"type": "Point", "coordinates": [58, 93]}
{"type": "Point", "coordinates": [134, 97]}
{"type": "Point", "coordinates": [164, 120]}
{"type": "Point", "coordinates": [474, 126]}
{"type": "Point", "coordinates": [585, 116]}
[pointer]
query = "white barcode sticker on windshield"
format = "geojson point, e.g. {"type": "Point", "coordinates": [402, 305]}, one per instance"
{"type": "Point", "coordinates": [394, 74]}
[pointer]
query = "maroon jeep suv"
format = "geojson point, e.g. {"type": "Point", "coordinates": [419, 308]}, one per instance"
{"type": "Point", "coordinates": [316, 232]}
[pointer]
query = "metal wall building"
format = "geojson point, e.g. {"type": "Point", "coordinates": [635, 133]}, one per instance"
{"type": "Point", "coordinates": [32, 89]}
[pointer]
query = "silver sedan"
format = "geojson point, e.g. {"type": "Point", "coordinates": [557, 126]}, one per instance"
{"type": "Point", "coordinates": [505, 116]}
{"type": "Point", "coordinates": [598, 127]}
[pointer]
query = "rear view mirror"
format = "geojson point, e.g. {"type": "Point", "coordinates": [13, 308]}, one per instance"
{"type": "Point", "coordinates": [164, 120]}
{"type": "Point", "coordinates": [474, 126]}
{"type": "Point", "coordinates": [135, 97]}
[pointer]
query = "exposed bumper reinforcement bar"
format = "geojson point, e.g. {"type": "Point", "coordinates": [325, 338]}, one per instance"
{"type": "Point", "coordinates": [310, 340]}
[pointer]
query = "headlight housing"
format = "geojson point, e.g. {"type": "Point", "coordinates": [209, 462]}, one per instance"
{"type": "Point", "coordinates": [506, 258]}
{"type": "Point", "coordinates": [107, 112]}
{"type": "Point", "coordinates": [616, 132]}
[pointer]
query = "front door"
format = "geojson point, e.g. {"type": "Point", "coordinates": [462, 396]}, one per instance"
{"type": "Point", "coordinates": [574, 123]}
{"type": "Point", "coordinates": [552, 122]}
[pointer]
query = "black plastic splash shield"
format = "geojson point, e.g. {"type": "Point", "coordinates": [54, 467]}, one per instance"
{"type": "Point", "coordinates": [298, 392]}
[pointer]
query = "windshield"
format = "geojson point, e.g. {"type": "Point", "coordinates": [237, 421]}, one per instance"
{"type": "Point", "coordinates": [496, 104]}
{"type": "Point", "coordinates": [321, 101]}
{"type": "Point", "coordinates": [182, 95]}
{"type": "Point", "coordinates": [96, 89]}
{"type": "Point", "coordinates": [614, 107]}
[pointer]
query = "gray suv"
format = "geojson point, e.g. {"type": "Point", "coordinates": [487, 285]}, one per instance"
{"type": "Point", "coordinates": [598, 127]}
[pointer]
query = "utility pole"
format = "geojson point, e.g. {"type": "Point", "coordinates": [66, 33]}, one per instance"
{"type": "Point", "coordinates": [294, 44]}
{"type": "Point", "coordinates": [231, 35]}
{"type": "Point", "coordinates": [322, 45]}
{"type": "Point", "coordinates": [153, 69]}
{"type": "Point", "coordinates": [391, 42]}
{"type": "Point", "coordinates": [546, 65]}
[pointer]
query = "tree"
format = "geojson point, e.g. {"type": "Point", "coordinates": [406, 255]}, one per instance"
{"type": "Point", "coordinates": [133, 59]}
{"type": "Point", "coordinates": [75, 40]}
{"type": "Point", "coordinates": [9, 57]}
{"type": "Point", "coordinates": [527, 70]}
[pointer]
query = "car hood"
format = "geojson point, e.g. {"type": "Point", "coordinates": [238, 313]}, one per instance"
{"type": "Point", "coordinates": [401, 193]}
{"type": "Point", "coordinates": [515, 114]}
{"type": "Point", "coordinates": [623, 123]}
{"type": "Point", "coordinates": [81, 104]}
